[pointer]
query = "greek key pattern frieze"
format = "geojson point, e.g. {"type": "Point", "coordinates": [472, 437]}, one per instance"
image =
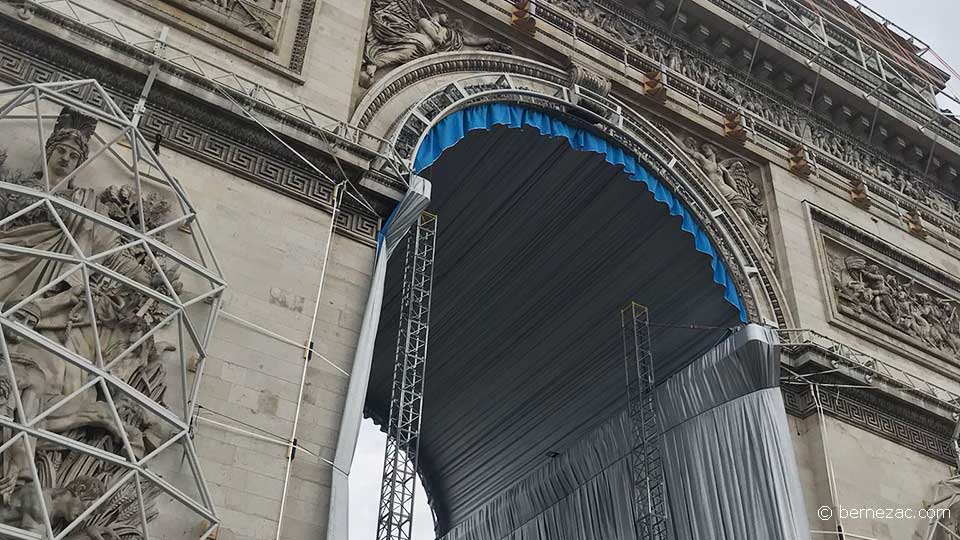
{"type": "Point", "coordinates": [252, 160]}
{"type": "Point", "coordinates": [885, 419]}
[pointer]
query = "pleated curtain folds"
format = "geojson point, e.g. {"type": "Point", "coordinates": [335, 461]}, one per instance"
{"type": "Point", "coordinates": [727, 457]}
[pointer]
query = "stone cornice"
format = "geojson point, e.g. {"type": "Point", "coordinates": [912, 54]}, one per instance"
{"type": "Point", "coordinates": [837, 59]}
{"type": "Point", "coordinates": [777, 118]}
{"type": "Point", "coordinates": [187, 125]}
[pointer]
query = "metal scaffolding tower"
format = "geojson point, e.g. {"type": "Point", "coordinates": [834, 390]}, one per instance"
{"type": "Point", "coordinates": [648, 485]}
{"type": "Point", "coordinates": [403, 430]}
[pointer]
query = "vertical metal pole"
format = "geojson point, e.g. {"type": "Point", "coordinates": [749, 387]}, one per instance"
{"type": "Point", "coordinates": [649, 491]}
{"type": "Point", "coordinates": [158, 50]}
{"type": "Point", "coordinates": [395, 519]}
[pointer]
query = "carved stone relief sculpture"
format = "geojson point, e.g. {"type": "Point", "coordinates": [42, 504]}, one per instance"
{"type": "Point", "coordinates": [707, 71]}
{"type": "Point", "coordinates": [404, 30]}
{"type": "Point", "coordinates": [871, 292]}
{"type": "Point", "coordinates": [95, 284]}
{"type": "Point", "coordinates": [257, 20]}
{"type": "Point", "coordinates": [731, 177]}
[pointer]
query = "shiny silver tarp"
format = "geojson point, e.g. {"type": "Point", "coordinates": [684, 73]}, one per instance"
{"type": "Point", "coordinates": [727, 455]}
{"type": "Point", "coordinates": [584, 493]}
{"type": "Point", "coordinates": [403, 217]}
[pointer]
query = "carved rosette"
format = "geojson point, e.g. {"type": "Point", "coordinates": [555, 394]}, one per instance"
{"type": "Point", "coordinates": [106, 298]}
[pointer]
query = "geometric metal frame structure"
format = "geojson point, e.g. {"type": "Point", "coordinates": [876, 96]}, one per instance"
{"type": "Point", "coordinates": [134, 475]}
{"type": "Point", "coordinates": [649, 490]}
{"type": "Point", "coordinates": [398, 486]}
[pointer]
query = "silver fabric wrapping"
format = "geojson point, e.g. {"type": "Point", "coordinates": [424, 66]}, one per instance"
{"type": "Point", "coordinates": [728, 458]}
{"type": "Point", "coordinates": [584, 493]}
{"type": "Point", "coordinates": [404, 216]}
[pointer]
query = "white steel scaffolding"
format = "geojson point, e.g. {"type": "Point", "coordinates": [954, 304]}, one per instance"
{"type": "Point", "coordinates": [183, 311]}
{"type": "Point", "coordinates": [403, 430]}
{"type": "Point", "coordinates": [649, 491]}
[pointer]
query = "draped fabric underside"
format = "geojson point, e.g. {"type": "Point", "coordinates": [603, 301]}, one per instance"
{"type": "Point", "coordinates": [545, 232]}
{"type": "Point", "coordinates": [727, 457]}
{"type": "Point", "coordinates": [538, 249]}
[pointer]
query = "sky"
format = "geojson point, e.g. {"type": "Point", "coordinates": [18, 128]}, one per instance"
{"type": "Point", "coordinates": [365, 489]}
{"type": "Point", "coordinates": [936, 22]}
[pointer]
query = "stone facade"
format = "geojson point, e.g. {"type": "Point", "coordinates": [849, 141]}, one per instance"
{"type": "Point", "coordinates": [838, 221]}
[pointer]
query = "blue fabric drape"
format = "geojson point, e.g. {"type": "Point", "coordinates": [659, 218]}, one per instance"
{"type": "Point", "coordinates": [455, 127]}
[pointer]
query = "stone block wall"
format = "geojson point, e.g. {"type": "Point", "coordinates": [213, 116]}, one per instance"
{"type": "Point", "coordinates": [843, 464]}
{"type": "Point", "coordinates": [271, 250]}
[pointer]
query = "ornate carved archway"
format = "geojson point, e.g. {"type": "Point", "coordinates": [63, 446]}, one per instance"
{"type": "Point", "coordinates": [403, 107]}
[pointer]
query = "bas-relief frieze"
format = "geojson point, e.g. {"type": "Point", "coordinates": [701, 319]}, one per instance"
{"type": "Point", "coordinates": [272, 33]}
{"type": "Point", "coordinates": [888, 299]}
{"type": "Point", "coordinates": [853, 155]}
{"type": "Point", "coordinates": [888, 296]}
{"type": "Point", "coordinates": [259, 20]}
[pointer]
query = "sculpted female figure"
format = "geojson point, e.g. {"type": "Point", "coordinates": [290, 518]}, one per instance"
{"type": "Point", "coordinates": [59, 310]}
{"type": "Point", "coordinates": [731, 178]}
{"type": "Point", "coordinates": [64, 151]}
{"type": "Point", "coordinates": [57, 317]}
